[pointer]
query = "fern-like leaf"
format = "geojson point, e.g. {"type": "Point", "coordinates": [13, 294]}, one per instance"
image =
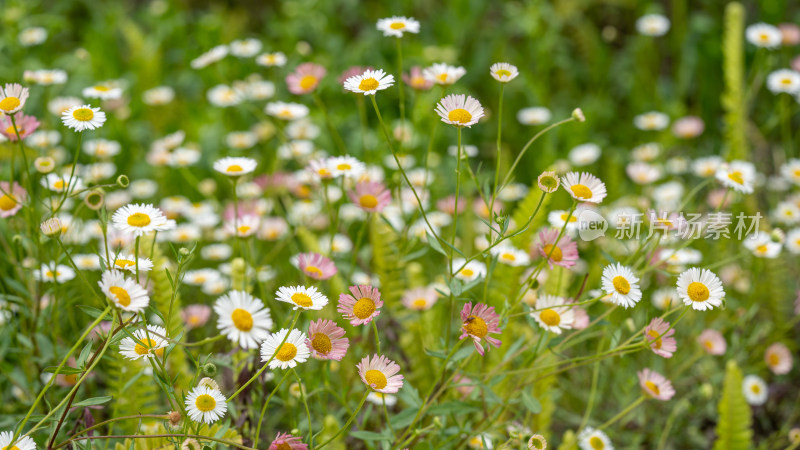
{"type": "Point", "coordinates": [733, 426]}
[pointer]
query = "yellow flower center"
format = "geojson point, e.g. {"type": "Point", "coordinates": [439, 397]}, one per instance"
{"type": "Point", "coordinates": [554, 252]}
{"type": "Point", "coordinates": [11, 131]}
{"type": "Point", "coordinates": [323, 172]}
{"type": "Point", "coordinates": [581, 191]}
{"type": "Point", "coordinates": [11, 448]}
{"type": "Point", "coordinates": [205, 403]}
{"type": "Point", "coordinates": [344, 166]}
{"type": "Point", "coordinates": [124, 263]}
{"type": "Point", "coordinates": [284, 446]}
{"type": "Point", "coordinates": [550, 317]}
{"type": "Point", "coordinates": [368, 201]}
{"type": "Point", "coordinates": [736, 177]}
{"type": "Point", "coordinates": [596, 443]}
{"type": "Point", "coordinates": [308, 82]}
{"type": "Point", "coordinates": [503, 73]}
{"type": "Point", "coordinates": [476, 326]}
{"type": "Point", "coordinates": [459, 115]}
{"type": "Point", "coordinates": [302, 299]}
{"type": "Point", "coordinates": [419, 303]}
{"type": "Point", "coordinates": [287, 352]}
{"type": "Point", "coordinates": [786, 81]}
{"type": "Point", "coordinates": [234, 168]}
{"type": "Point", "coordinates": [376, 379]}
{"type": "Point", "coordinates": [143, 350]}
{"type": "Point", "coordinates": [621, 285]}
{"type": "Point", "coordinates": [83, 114]}
{"type": "Point", "coordinates": [657, 338]}
{"type": "Point", "coordinates": [138, 220]}
{"type": "Point", "coordinates": [773, 359]}
{"type": "Point", "coordinates": [761, 248]}
{"type": "Point", "coordinates": [364, 308]}
{"type": "Point", "coordinates": [123, 298]}
{"type": "Point", "coordinates": [368, 84]}
{"type": "Point", "coordinates": [242, 319]}
{"type": "Point", "coordinates": [755, 388]}
{"type": "Point", "coordinates": [571, 219]}
{"type": "Point", "coordinates": [59, 184]}
{"type": "Point", "coordinates": [313, 271]}
{"type": "Point", "coordinates": [9, 103]}
{"type": "Point", "coordinates": [102, 88]}
{"type": "Point", "coordinates": [652, 387]}
{"type": "Point", "coordinates": [467, 272]}
{"type": "Point", "coordinates": [243, 229]}
{"type": "Point", "coordinates": [321, 343]}
{"type": "Point", "coordinates": [698, 292]}
{"type": "Point", "coordinates": [443, 77]}
{"type": "Point", "coordinates": [397, 25]}
{"type": "Point", "coordinates": [7, 202]}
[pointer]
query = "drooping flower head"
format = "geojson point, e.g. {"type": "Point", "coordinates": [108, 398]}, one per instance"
{"type": "Point", "coordinates": [362, 306]}
{"type": "Point", "coordinates": [326, 340]}
{"type": "Point", "coordinates": [380, 374]}
{"type": "Point", "coordinates": [478, 323]}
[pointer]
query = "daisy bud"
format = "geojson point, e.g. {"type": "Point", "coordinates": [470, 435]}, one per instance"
{"type": "Point", "coordinates": [577, 114]}
{"type": "Point", "coordinates": [191, 444]}
{"type": "Point", "coordinates": [184, 251]}
{"type": "Point", "coordinates": [174, 418]}
{"type": "Point", "coordinates": [44, 164]}
{"type": "Point", "coordinates": [548, 182]}
{"type": "Point", "coordinates": [794, 435]}
{"type": "Point", "coordinates": [209, 382]}
{"type": "Point", "coordinates": [209, 370]}
{"type": "Point", "coordinates": [537, 442]}
{"type": "Point", "coordinates": [207, 187]}
{"type": "Point", "coordinates": [51, 227]}
{"type": "Point", "coordinates": [123, 181]}
{"type": "Point", "coordinates": [94, 199]}
{"type": "Point", "coordinates": [707, 390]}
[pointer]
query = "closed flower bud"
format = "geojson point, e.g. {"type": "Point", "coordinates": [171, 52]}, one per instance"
{"type": "Point", "coordinates": [51, 227]}
{"type": "Point", "coordinates": [209, 369]}
{"type": "Point", "coordinates": [577, 114]}
{"type": "Point", "coordinates": [123, 181]}
{"type": "Point", "coordinates": [44, 164]}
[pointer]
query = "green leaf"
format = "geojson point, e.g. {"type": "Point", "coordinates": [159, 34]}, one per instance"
{"type": "Point", "coordinates": [370, 436]}
{"type": "Point", "coordinates": [531, 402]}
{"type": "Point", "coordinates": [84, 355]}
{"type": "Point", "coordinates": [733, 427]}
{"type": "Point", "coordinates": [93, 401]}
{"type": "Point", "coordinates": [434, 243]}
{"type": "Point", "coordinates": [64, 370]}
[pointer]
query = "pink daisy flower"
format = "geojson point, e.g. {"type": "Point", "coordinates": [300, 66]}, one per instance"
{"type": "Point", "coordinates": [361, 307]}
{"type": "Point", "coordinates": [655, 385]}
{"type": "Point", "coordinates": [416, 80]}
{"type": "Point", "coordinates": [420, 299]}
{"type": "Point", "coordinates": [371, 196]}
{"type": "Point", "coordinates": [326, 340]}
{"type": "Point", "coordinates": [25, 125]}
{"type": "Point", "coordinates": [305, 78]}
{"type": "Point", "coordinates": [564, 253]}
{"type": "Point", "coordinates": [778, 359]}
{"type": "Point", "coordinates": [11, 198]}
{"type": "Point", "coordinates": [662, 344]}
{"type": "Point", "coordinates": [463, 385]}
{"type": "Point", "coordinates": [713, 342]}
{"type": "Point", "coordinates": [285, 441]}
{"type": "Point", "coordinates": [316, 266]}
{"type": "Point", "coordinates": [478, 322]}
{"type": "Point", "coordinates": [448, 204]}
{"type": "Point", "coordinates": [195, 316]}
{"type": "Point", "coordinates": [380, 374]}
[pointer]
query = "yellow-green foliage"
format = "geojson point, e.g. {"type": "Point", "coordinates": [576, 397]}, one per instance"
{"type": "Point", "coordinates": [733, 71]}
{"type": "Point", "coordinates": [386, 260]}
{"type": "Point", "coordinates": [733, 425]}
{"type": "Point", "coordinates": [230, 434]}
{"type": "Point", "coordinates": [523, 213]}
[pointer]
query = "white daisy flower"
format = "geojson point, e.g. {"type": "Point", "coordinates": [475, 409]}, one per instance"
{"type": "Point", "coordinates": [591, 439]}
{"type": "Point", "coordinates": [210, 57]}
{"type": "Point", "coordinates": [47, 77]}
{"type": "Point", "coordinates": [396, 26]}
{"type": "Point", "coordinates": [471, 271]}
{"type": "Point", "coordinates": [622, 284]}
{"type": "Point", "coordinates": [140, 219]}
{"type": "Point", "coordinates": [102, 148]}
{"type": "Point", "coordinates": [503, 72]}
{"type": "Point", "coordinates": [52, 272]}
{"type": "Point", "coordinates": [553, 315]}
{"type": "Point", "coordinates": [286, 111]}
{"type": "Point", "coordinates": [707, 166]}
{"type": "Point", "coordinates": [348, 166]}
{"type": "Point", "coordinates": [102, 91]}
{"type": "Point", "coordinates": [784, 81]}
{"type": "Point", "coordinates": [128, 262]}
{"type": "Point", "coordinates": [557, 219]}
{"type": "Point", "coordinates": [533, 115]}
{"type": "Point", "coordinates": [643, 173]}
{"type": "Point", "coordinates": [443, 74]}
{"type": "Point", "coordinates": [652, 25]}
{"type": "Point", "coordinates": [700, 288]}
{"type": "Point", "coordinates": [652, 120]}
{"type": "Point", "coordinates": [792, 242]}
{"type": "Point", "coordinates": [224, 96]}
{"type": "Point", "coordinates": [245, 48]}
{"type": "Point", "coordinates": [509, 255]}
{"type": "Point", "coordinates": [13, 98]}
{"type": "Point", "coordinates": [151, 342]}
{"type": "Point", "coordinates": [243, 318]}
{"type": "Point", "coordinates": [301, 297]}
{"type": "Point", "coordinates": [378, 398]}
{"type": "Point", "coordinates": [459, 110]}
{"type": "Point", "coordinates": [755, 390]}
{"type": "Point", "coordinates": [584, 187]}
{"type": "Point", "coordinates": [369, 82]}
{"type": "Point", "coordinates": [288, 354]}
{"type": "Point", "coordinates": [84, 117]}
{"type": "Point", "coordinates": [124, 292]}
{"type": "Point", "coordinates": [206, 405]}
{"type": "Point", "coordinates": [764, 35]}
{"type": "Point", "coordinates": [29, 37]}
{"type": "Point", "coordinates": [59, 183]}
{"type": "Point", "coordinates": [762, 245]}
{"type": "Point", "coordinates": [159, 95]}
{"type": "Point", "coordinates": [274, 59]}
{"type": "Point", "coordinates": [791, 171]}
{"type": "Point", "coordinates": [235, 166]}
{"type": "Point", "coordinates": [584, 154]}
{"type": "Point", "coordinates": [200, 276]}
{"type": "Point", "coordinates": [87, 261]}
{"type": "Point", "coordinates": [23, 442]}
{"type": "Point", "coordinates": [738, 175]}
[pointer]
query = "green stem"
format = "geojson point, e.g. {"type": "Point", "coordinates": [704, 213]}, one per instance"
{"type": "Point", "coordinates": [305, 403]}
{"type": "Point", "coordinates": [349, 421]}
{"type": "Point", "coordinates": [264, 408]}
{"type": "Point", "coordinates": [622, 413]}
{"type": "Point", "coordinates": [377, 337]}
{"type": "Point", "coordinates": [499, 152]}
{"type": "Point", "coordinates": [525, 148]}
